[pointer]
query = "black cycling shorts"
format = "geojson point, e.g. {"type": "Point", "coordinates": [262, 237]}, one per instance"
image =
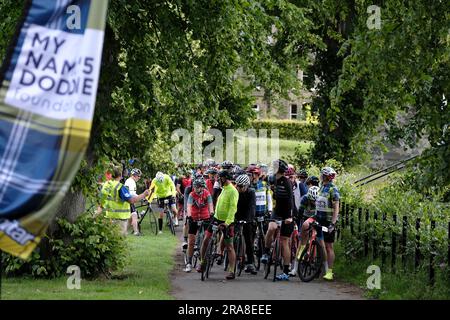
{"type": "Point", "coordinates": [327, 236]}
{"type": "Point", "coordinates": [286, 229]}
{"type": "Point", "coordinates": [161, 202]}
{"type": "Point", "coordinates": [193, 226]}
{"type": "Point", "coordinates": [228, 234]}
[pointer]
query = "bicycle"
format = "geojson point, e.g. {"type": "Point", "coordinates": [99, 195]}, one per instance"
{"type": "Point", "coordinates": [239, 247]}
{"type": "Point", "coordinates": [151, 216]}
{"type": "Point", "coordinates": [211, 251]}
{"type": "Point", "coordinates": [259, 241]}
{"type": "Point", "coordinates": [274, 253]}
{"type": "Point", "coordinates": [197, 244]}
{"type": "Point", "coordinates": [311, 259]}
{"type": "Point", "coordinates": [294, 242]}
{"type": "Point", "coordinates": [168, 214]}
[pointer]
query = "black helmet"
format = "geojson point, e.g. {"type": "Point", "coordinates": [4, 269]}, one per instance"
{"type": "Point", "coordinates": [313, 180]}
{"type": "Point", "coordinates": [227, 165]}
{"type": "Point", "coordinates": [226, 174]}
{"type": "Point", "coordinates": [280, 166]}
{"type": "Point", "coordinates": [302, 173]}
{"type": "Point", "coordinates": [199, 182]}
{"type": "Point", "coordinates": [212, 171]}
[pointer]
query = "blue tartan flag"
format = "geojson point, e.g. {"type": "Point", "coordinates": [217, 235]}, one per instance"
{"type": "Point", "coordinates": [48, 86]}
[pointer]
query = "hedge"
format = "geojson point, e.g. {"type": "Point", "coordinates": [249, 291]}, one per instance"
{"type": "Point", "coordinates": [289, 129]}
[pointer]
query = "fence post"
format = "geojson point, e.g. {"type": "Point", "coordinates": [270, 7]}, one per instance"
{"type": "Point", "coordinates": [417, 251]}
{"type": "Point", "coordinates": [359, 220]}
{"type": "Point", "coordinates": [375, 236]}
{"type": "Point", "coordinates": [366, 234]}
{"type": "Point", "coordinates": [346, 214]}
{"type": "Point", "coordinates": [432, 252]}
{"type": "Point", "coordinates": [383, 242]}
{"type": "Point", "coordinates": [404, 235]}
{"type": "Point", "coordinates": [394, 243]}
{"type": "Point", "coordinates": [352, 210]}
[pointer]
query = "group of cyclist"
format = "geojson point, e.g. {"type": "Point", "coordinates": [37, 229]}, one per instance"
{"type": "Point", "coordinates": [223, 194]}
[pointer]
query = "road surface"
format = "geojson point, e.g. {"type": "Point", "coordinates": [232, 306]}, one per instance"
{"type": "Point", "coordinates": [188, 286]}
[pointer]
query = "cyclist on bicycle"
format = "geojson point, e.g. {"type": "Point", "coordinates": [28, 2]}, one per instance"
{"type": "Point", "coordinates": [307, 214]}
{"type": "Point", "coordinates": [130, 183]}
{"type": "Point", "coordinates": [164, 189]}
{"type": "Point", "coordinates": [225, 211]}
{"type": "Point", "coordinates": [327, 206]}
{"type": "Point", "coordinates": [262, 192]}
{"type": "Point", "coordinates": [199, 208]}
{"type": "Point", "coordinates": [246, 212]}
{"type": "Point", "coordinates": [283, 211]}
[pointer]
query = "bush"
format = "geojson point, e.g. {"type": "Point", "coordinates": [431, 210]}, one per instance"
{"type": "Point", "coordinates": [92, 244]}
{"type": "Point", "coordinates": [289, 129]}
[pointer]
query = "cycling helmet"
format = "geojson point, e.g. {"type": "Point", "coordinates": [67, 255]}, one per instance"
{"type": "Point", "coordinates": [280, 165]}
{"type": "Point", "coordinates": [302, 174]}
{"type": "Point", "coordinates": [289, 172]}
{"type": "Point", "coordinates": [312, 180]}
{"type": "Point", "coordinates": [313, 192]}
{"type": "Point", "coordinates": [253, 169]}
{"type": "Point", "coordinates": [227, 165]}
{"type": "Point", "coordinates": [264, 168]}
{"type": "Point", "coordinates": [209, 163]}
{"type": "Point", "coordinates": [136, 172]}
{"type": "Point", "coordinates": [200, 182]}
{"type": "Point", "coordinates": [159, 176]}
{"type": "Point", "coordinates": [328, 172]}
{"type": "Point", "coordinates": [243, 180]}
{"type": "Point", "coordinates": [212, 171]}
{"type": "Point", "coordinates": [225, 174]}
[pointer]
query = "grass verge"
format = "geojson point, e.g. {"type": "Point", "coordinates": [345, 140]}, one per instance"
{"type": "Point", "coordinates": [146, 276]}
{"type": "Point", "coordinates": [393, 286]}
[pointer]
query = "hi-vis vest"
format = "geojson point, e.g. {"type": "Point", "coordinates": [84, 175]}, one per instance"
{"type": "Point", "coordinates": [115, 207]}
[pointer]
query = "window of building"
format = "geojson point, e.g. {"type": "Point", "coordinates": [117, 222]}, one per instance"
{"type": "Point", "coordinates": [294, 111]}
{"type": "Point", "coordinates": [256, 108]}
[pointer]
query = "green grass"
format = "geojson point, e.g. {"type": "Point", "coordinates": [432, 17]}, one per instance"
{"type": "Point", "coordinates": [146, 276]}
{"type": "Point", "coordinates": [394, 286]}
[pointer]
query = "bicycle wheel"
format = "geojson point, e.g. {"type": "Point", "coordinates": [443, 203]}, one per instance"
{"type": "Point", "coordinates": [170, 221]}
{"type": "Point", "coordinates": [311, 261]}
{"type": "Point", "coordinates": [212, 257]}
{"type": "Point", "coordinates": [225, 260]}
{"type": "Point", "coordinates": [276, 258]}
{"type": "Point", "coordinates": [259, 245]}
{"type": "Point", "coordinates": [267, 266]}
{"type": "Point", "coordinates": [294, 246]}
{"type": "Point", "coordinates": [153, 223]}
{"type": "Point", "coordinates": [240, 255]}
{"type": "Point", "coordinates": [208, 254]}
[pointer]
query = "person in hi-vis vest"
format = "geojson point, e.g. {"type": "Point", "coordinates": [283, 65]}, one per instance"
{"type": "Point", "coordinates": [116, 200]}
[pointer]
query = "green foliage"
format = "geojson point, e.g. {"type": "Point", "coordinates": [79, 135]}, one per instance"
{"type": "Point", "coordinates": [91, 243]}
{"type": "Point", "coordinates": [288, 129]}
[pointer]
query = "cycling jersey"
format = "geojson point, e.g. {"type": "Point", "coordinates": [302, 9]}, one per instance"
{"type": "Point", "coordinates": [307, 207]}
{"type": "Point", "coordinates": [164, 189]}
{"type": "Point", "coordinates": [284, 198]}
{"type": "Point", "coordinates": [227, 204]}
{"type": "Point", "coordinates": [210, 185]}
{"type": "Point", "coordinates": [131, 185]}
{"type": "Point", "coordinates": [200, 205]}
{"type": "Point", "coordinates": [324, 203]}
{"type": "Point", "coordinates": [246, 205]}
{"type": "Point", "coordinates": [263, 198]}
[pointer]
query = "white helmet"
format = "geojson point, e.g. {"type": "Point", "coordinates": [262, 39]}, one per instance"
{"type": "Point", "coordinates": [313, 192]}
{"type": "Point", "coordinates": [159, 176]}
{"type": "Point", "coordinates": [136, 172]}
{"type": "Point", "coordinates": [328, 172]}
{"type": "Point", "coordinates": [243, 180]}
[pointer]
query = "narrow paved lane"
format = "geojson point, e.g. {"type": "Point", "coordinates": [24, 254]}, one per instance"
{"type": "Point", "coordinates": [188, 286]}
